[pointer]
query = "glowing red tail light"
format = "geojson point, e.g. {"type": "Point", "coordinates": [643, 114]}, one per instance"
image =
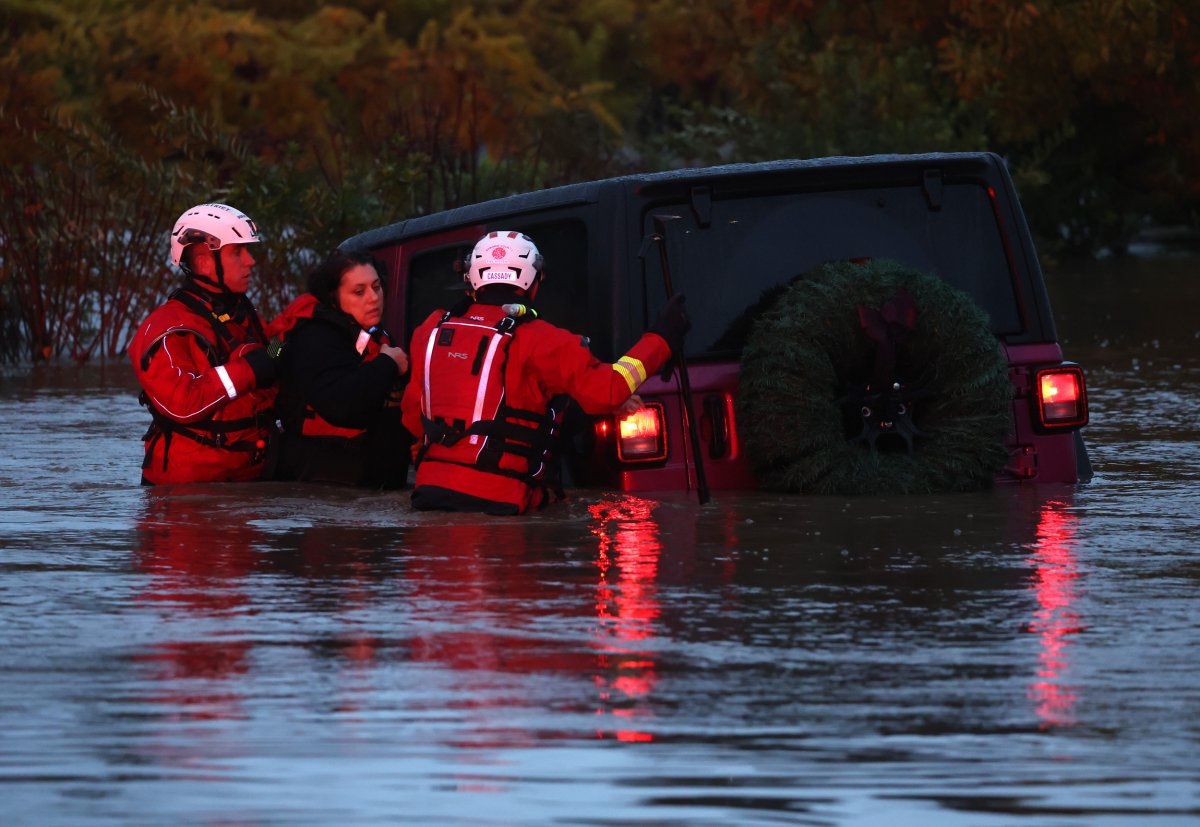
{"type": "Point", "coordinates": [1061, 397]}
{"type": "Point", "coordinates": [642, 435]}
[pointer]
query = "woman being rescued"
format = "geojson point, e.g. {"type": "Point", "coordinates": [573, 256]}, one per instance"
{"type": "Point", "coordinates": [339, 396]}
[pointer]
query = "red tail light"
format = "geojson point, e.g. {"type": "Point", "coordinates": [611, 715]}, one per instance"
{"type": "Point", "coordinates": [1061, 397]}
{"type": "Point", "coordinates": [642, 435]}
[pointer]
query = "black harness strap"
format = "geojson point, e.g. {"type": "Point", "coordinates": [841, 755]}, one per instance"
{"type": "Point", "coordinates": [508, 434]}
{"type": "Point", "coordinates": [209, 432]}
{"type": "Point", "coordinates": [203, 304]}
{"type": "Point", "coordinates": [196, 303]}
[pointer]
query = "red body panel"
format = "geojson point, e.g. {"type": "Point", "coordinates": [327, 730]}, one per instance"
{"type": "Point", "coordinates": [1035, 456]}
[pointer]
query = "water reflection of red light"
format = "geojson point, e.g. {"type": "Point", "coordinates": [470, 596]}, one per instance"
{"type": "Point", "coordinates": [627, 609]}
{"type": "Point", "coordinates": [1055, 619]}
{"type": "Point", "coordinates": [195, 572]}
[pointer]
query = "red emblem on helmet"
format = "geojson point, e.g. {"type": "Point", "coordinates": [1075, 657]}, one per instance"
{"type": "Point", "coordinates": [499, 252]}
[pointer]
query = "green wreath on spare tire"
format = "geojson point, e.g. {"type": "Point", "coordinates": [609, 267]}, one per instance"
{"type": "Point", "coordinates": [809, 359]}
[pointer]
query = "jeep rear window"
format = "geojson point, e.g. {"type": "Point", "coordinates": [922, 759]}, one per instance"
{"type": "Point", "coordinates": [754, 244]}
{"type": "Point", "coordinates": [433, 283]}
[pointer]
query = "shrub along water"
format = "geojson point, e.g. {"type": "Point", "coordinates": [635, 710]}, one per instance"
{"type": "Point", "coordinates": [322, 120]}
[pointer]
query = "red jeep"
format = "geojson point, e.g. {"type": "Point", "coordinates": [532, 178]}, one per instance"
{"type": "Point", "coordinates": [849, 319]}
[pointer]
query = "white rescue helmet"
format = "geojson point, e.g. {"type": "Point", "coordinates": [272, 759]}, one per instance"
{"type": "Point", "coordinates": [503, 257]}
{"type": "Point", "coordinates": [214, 225]}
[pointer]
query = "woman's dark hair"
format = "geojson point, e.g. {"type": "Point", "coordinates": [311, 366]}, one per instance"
{"type": "Point", "coordinates": [324, 280]}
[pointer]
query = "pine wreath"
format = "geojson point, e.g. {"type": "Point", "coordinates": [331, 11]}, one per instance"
{"type": "Point", "coordinates": [873, 378]}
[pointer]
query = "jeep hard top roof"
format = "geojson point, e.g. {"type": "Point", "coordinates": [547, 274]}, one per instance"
{"type": "Point", "coordinates": [955, 214]}
{"type": "Point", "coordinates": [838, 170]}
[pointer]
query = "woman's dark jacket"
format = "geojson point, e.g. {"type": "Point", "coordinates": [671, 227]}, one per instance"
{"type": "Point", "coordinates": [339, 408]}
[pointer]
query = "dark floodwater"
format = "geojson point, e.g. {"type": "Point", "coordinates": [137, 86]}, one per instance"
{"type": "Point", "coordinates": [270, 655]}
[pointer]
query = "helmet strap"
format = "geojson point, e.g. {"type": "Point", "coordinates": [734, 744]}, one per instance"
{"type": "Point", "coordinates": [220, 268]}
{"type": "Point", "coordinates": [218, 283]}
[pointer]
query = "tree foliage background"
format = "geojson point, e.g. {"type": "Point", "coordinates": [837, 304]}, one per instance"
{"type": "Point", "coordinates": [322, 120]}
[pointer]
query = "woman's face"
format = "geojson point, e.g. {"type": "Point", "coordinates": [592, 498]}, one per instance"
{"type": "Point", "coordinates": [360, 294]}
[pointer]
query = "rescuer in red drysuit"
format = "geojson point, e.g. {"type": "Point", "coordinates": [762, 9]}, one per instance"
{"type": "Point", "coordinates": [202, 359]}
{"type": "Point", "coordinates": [339, 393]}
{"type": "Point", "coordinates": [489, 384]}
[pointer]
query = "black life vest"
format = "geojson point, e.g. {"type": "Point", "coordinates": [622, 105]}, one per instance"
{"type": "Point", "coordinates": [312, 423]}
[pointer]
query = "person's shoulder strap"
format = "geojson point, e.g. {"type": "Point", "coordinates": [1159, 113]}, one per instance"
{"type": "Point", "coordinates": [459, 308]}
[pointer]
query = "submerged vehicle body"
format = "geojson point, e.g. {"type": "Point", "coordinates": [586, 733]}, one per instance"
{"type": "Point", "coordinates": [726, 237]}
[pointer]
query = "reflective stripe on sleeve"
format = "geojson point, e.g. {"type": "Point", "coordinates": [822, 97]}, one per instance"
{"type": "Point", "coordinates": [632, 371]}
{"type": "Point", "coordinates": [230, 388]}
